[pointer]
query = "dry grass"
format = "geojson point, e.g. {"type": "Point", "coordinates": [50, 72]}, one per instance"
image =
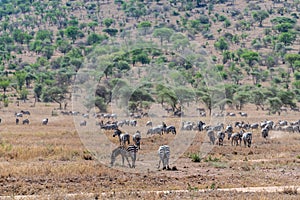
{"type": "Point", "coordinates": [52, 159]}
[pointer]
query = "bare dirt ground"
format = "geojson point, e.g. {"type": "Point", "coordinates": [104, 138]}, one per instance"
{"type": "Point", "coordinates": [52, 161]}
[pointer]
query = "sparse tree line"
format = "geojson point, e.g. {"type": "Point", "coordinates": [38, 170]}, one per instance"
{"type": "Point", "coordinates": [250, 75]}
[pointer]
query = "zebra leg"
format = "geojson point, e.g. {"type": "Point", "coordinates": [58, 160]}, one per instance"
{"type": "Point", "coordinates": [159, 163]}
{"type": "Point", "coordinates": [127, 162]}
{"type": "Point", "coordinates": [133, 157]}
{"type": "Point", "coordinates": [112, 160]}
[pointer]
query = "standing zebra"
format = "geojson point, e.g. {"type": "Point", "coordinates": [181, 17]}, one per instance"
{"type": "Point", "coordinates": [123, 137]}
{"type": "Point", "coordinates": [164, 156]}
{"type": "Point", "coordinates": [229, 131]}
{"type": "Point", "coordinates": [247, 138]}
{"type": "Point", "coordinates": [220, 136]}
{"type": "Point", "coordinates": [235, 138]}
{"type": "Point", "coordinates": [169, 129]}
{"type": "Point", "coordinates": [211, 135]}
{"type": "Point", "coordinates": [137, 139]}
{"type": "Point", "coordinates": [265, 132]}
{"type": "Point", "coordinates": [131, 151]}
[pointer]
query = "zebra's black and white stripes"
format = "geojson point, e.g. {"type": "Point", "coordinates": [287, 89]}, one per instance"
{"type": "Point", "coordinates": [137, 139]}
{"type": "Point", "coordinates": [247, 138]}
{"type": "Point", "coordinates": [164, 156]}
{"type": "Point", "coordinates": [130, 151]}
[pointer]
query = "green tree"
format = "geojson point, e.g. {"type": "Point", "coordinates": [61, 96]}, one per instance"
{"type": "Point", "coordinates": [287, 38]}
{"type": "Point", "coordinates": [20, 77]}
{"type": "Point", "coordinates": [250, 57]}
{"type": "Point", "coordinates": [4, 83]}
{"type": "Point", "coordinates": [108, 22]}
{"type": "Point", "coordinates": [241, 98]}
{"type": "Point", "coordinates": [111, 31]}
{"type": "Point", "coordinates": [55, 94]}
{"type": "Point", "coordinates": [275, 105]}
{"type": "Point", "coordinates": [166, 95]}
{"type": "Point", "coordinates": [221, 44]}
{"type": "Point", "coordinates": [144, 26]}
{"type": "Point", "coordinates": [293, 59]}
{"type": "Point", "coordinates": [95, 38]}
{"type": "Point", "coordinates": [260, 16]}
{"type": "Point", "coordinates": [72, 32]}
{"type": "Point", "coordinates": [163, 34]}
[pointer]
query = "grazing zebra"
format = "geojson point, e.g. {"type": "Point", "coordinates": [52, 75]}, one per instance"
{"type": "Point", "coordinates": [19, 114]}
{"type": "Point", "coordinates": [26, 121]}
{"type": "Point", "coordinates": [235, 138]}
{"type": "Point", "coordinates": [247, 138]}
{"type": "Point", "coordinates": [149, 123]}
{"type": "Point", "coordinates": [243, 114]}
{"type": "Point", "coordinates": [169, 129]}
{"type": "Point", "coordinates": [45, 121]}
{"type": "Point", "coordinates": [123, 137]}
{"type": "Point", "coordinates": [131, 151]}
{"type": "Point", "coordinates": [211, 135]}
{"type": "Point", "coordinates": [155, 130]}
{"type": "Point", "coordinates": [25, 112]}
{"type": "Point", "coordinates": [137, 139]}
{"type": "Point", "coordinates": [220, 136]}
{"type": "Point", "coordinates": [230, 114]}
{"type": "Point", "coordinates": [83, 123]}
{"type": "Point", "coordinates": [265, 132]}
{"type": "Point", "coordinates": [254, 126]}
{"type": "Point", "coordinates": [164, 156]}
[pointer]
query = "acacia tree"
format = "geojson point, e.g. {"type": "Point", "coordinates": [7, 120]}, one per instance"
{"type": "Point", "coordinates": [292, 59]}
{"type": "Point", "coordinates": [4, 83]}
{"type": "Point", "coordinates": [163, 34]}
{"type": "Point", "coordinates": [241, 98]}
{"type": "Point", "coordinates": [260, 16]}
{"type": "Point", "coordinates": [275, 105]}
{"type": "Point", "coordinates": [72, 32]}
{"type": "Point", "coordinates": [166, 95]}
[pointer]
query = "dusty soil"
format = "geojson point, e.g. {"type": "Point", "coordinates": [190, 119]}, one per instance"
{"type": "Point", "coordinates": [53, 160]}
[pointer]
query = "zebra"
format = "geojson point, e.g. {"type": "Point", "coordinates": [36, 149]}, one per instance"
{"type": "Point", "coordinates": [200, 125]}
{"type": "Point", "coordinates": [220, 136]}
{"type": "Point", "coordinates": [45, 121]}
{"type": "Point", "coordinates": [247, 138]}
{"type": "Point", "coordinates": [235, 138]}
{"type": "Point", "coordinates": [137, 139]}
{"type": "Point", "coordinates": [229, 131]}
{"type": "Point", "coordinates": [265, 132]}
{"type": "Point", "coordinates": [169, 129]}
{"type": "Point", "coordinates": [149, 123]}
{"type": "Point", "coordinates": [131, 151]}
{"type": "Point", "coordinates": [25, 112]}
{"type": "Point", "coordinates": [211, 135]}
{"type": "Point", "coordinates": [123, 137]}
{"type": "Point", "coordinates": [83, 123]}
{"type": "Point", "coordinates": [26, 121]}
{"type": "Point", "coordinates": [155, 130]}
{"type": "Point", "coordinates": [243, 114]}
{"type": "Point", "coordinates": [164, 156]}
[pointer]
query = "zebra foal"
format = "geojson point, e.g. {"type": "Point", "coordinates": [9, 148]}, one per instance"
{"type": "Point", "coordinates": [130, 151]}
{"type": "Point", "coordinates": [164, 156]}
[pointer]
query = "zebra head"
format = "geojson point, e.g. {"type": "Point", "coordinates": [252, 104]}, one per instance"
{"type": "Point", "coordinates": [117, 132]}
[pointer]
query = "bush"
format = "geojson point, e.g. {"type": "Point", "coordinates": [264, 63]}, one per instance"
{"type": "Point", "coordinates": [195, 157]}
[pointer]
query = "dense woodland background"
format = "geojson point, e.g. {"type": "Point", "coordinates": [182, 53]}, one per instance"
{"type": "Point", "coordinates": [254, 47]}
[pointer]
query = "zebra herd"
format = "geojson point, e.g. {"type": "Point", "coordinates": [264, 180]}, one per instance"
{"type": "Point", "coordinates": [216, 135]}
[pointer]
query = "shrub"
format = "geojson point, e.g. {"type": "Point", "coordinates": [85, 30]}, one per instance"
{"type": "Point", "coordinates": [195, 157]}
